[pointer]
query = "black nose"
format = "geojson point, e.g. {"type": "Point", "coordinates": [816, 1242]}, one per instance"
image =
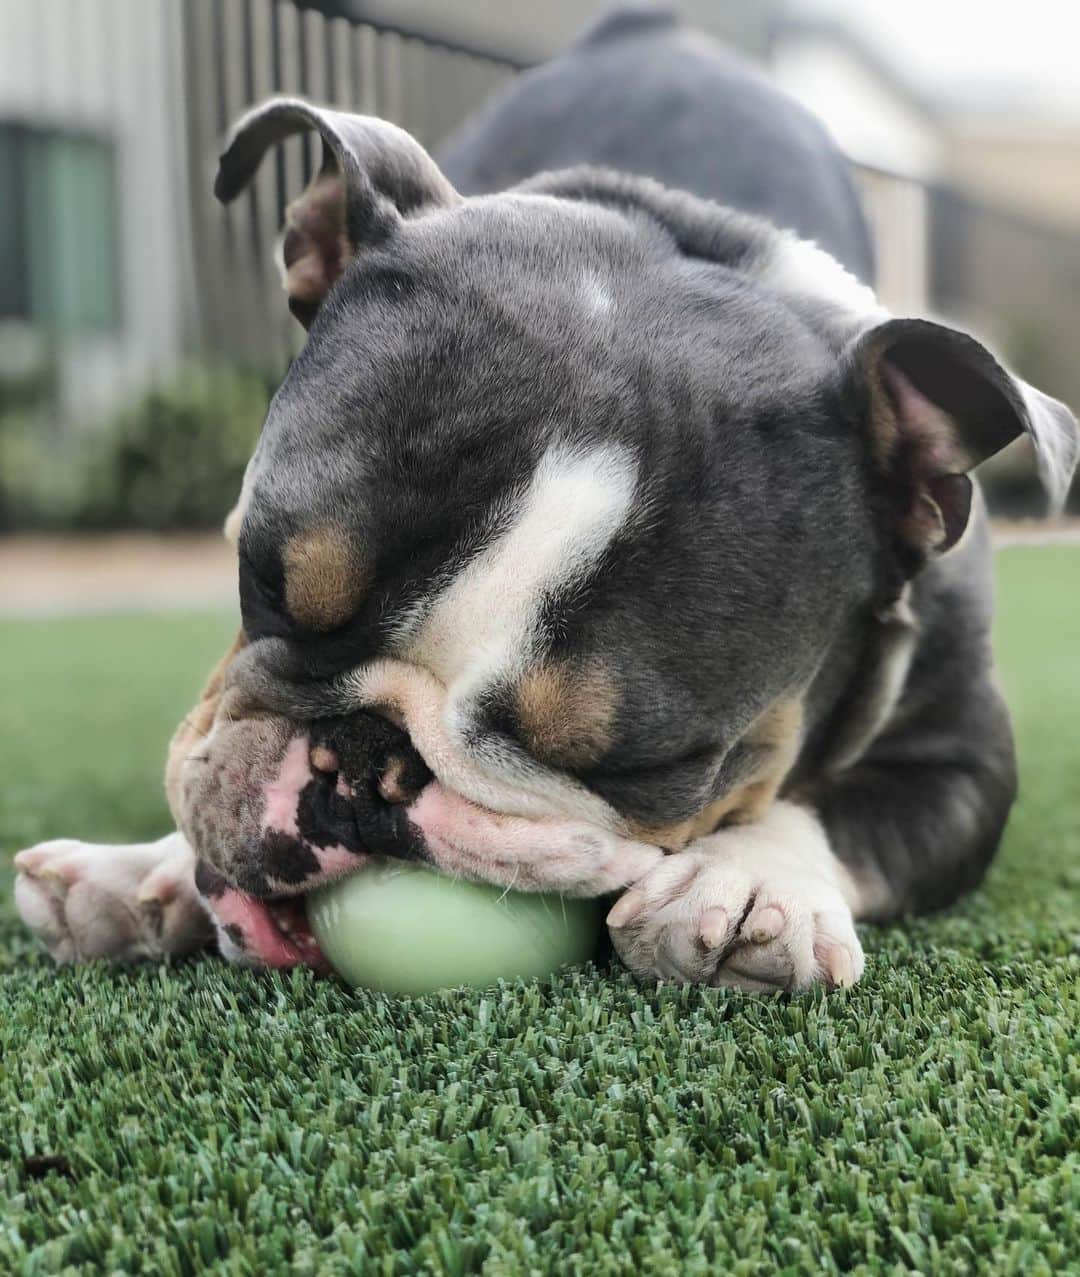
{"type": "Point", "coordinates": [366, 773]}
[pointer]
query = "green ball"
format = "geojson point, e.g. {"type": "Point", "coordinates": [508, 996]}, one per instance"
{"type": "Point", "coordinates": [399, 927]}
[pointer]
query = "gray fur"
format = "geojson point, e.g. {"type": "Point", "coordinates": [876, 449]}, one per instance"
{"type": "Point", "coordinates": [642, 94]}
{"type": "Point", "coordinates": [765, 554]}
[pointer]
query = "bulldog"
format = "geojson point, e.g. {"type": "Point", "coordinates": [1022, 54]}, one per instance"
{"type": "Point", "coordinates": [603, 538]}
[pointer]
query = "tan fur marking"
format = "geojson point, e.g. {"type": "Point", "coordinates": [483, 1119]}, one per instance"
{"type": "Point", "coordinates": [323, 759]}
{"type": "Point", "coordinates": [392, 787]}
{"type": "Point", "coordinates": [884, 428]}
{"type": "Point", "coordinates": [566, 712]}
{"type": "Point", "coordinates": [197, 724]}
{"type": "Point", "coordinates": [778, 734]}
{"type": "Point", "coordinates": [324, 583]}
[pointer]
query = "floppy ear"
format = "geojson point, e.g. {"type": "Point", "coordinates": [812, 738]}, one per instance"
{"type": "Point", "coordinates": [937, 403]}
{"type": "Point", "coordinates": [372, 175]}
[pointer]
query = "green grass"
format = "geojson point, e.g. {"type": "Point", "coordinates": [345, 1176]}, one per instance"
{"type": "Point", "coordinates": [927, 1120]}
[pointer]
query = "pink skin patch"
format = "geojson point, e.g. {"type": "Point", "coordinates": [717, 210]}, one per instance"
{"type": "Point", "coordinates": [279, 815]}
{"type": "Point", "coordinates": [266, 938]}
{"type": "Point", "coordinates": [333, 863]}
{"type": "Point", "coordinates": [276, 933]}
{"type": "Point", "coordinates": [283, 792]}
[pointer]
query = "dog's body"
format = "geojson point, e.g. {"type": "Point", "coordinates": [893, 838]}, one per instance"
{"type": "Point", "coordinates": [595, 522]}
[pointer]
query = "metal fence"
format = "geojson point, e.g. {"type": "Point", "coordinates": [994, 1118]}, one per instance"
{"type": "Point", "coordinates": [236, 52]}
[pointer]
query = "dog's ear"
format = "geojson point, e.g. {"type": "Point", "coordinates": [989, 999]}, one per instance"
{"type": "Point", "coordinates": [936, 403]}
{"type": "Point", "coordinates": [372, 174]}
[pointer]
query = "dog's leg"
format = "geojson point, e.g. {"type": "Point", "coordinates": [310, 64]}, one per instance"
{"type": "Point", "coordinates": [125, 903]}
{"type": "Point", "coordinates": [772, 905]}
{"type": "Point", "coordinates": [762, 907]}
{"type": "Point", "coordinates": [917, 821]}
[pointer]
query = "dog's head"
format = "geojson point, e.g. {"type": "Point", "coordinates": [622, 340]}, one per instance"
{"type": "Point", "coordinates": [560, 508]}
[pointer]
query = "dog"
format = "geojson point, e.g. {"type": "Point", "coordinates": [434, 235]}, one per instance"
{"type": "Point", "coordinates": [605, 537]}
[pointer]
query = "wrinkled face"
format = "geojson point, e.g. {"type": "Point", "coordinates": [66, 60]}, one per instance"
{"type": "Point", "coordinates": [549, 525]}
{"type": "Point", "coordinates": [553, 525]}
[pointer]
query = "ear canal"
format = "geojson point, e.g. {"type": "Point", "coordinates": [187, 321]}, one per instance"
{"type": "Point", "coordinates": [372, 175]}
{"type": "Point", "coordinates": [938, 403]}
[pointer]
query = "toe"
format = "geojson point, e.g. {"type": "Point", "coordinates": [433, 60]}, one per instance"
{"type": "Point", "coordinates": [766, 966]}
{"type": "Point", "coordinates": [835, 962]}
{"type": "Point", "coordinates": [725, 978]}
{"type": "Point", "coordinates": [161, 887]}
{"type": "Point", "coordinates": [716, 928]}
{"type": "Point", "coordinates": [764, 924]}
{"type": "Point", "coordinates": [681, 955]}
{"type": "Point", "coordinates": [36, 860]}
{"type": "Point", "coordinates": [42, 912]}
{"type": "Point", "coordinates": [837, 951]}
{"type": "Point", "coordinates": [627, 908]}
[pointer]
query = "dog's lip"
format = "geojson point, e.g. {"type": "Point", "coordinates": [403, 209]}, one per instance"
{"type": "Point", "coordinates": [276, 932]}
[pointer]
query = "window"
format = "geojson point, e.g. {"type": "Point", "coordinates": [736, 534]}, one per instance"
{"type": "Point", "coordinates": [58, 231]}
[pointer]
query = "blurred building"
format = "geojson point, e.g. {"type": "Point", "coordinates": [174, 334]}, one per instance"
{"type": "Point", "coordinates": [876, 116]}
{"type": "Point", "coordinates": [115, 263]}
{"type": "Point", "coordinates": [1030, 163]}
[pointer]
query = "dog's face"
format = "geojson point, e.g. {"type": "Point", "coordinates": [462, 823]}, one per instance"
{"type": "Point", "coordinates": [554, 518]}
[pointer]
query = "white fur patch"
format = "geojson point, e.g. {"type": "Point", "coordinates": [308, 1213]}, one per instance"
{"type": "Point", "coordinates": [1057, 442]}
{"type": "Point", "coordinates": [759, 907]}
{"type": "Point", "coordinates": [799, 266]}
{"type": "Point", "coordinates": [484, 622]}
{"type": "Point", "coordinates": [235, 518]}
{"type": "Point", "coordinates": [84, 900]}
{"type": "Point", "coordinates": [482, 628]}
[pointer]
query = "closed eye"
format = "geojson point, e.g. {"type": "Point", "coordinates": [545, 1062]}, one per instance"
{"type": "Point", "coordinates": [269, 589]}
{"type": "Point", "coordinates": [701, 755]}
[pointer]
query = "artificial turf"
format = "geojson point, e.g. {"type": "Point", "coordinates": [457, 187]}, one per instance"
{"type": "Point", "coordinates": [195, 1118]}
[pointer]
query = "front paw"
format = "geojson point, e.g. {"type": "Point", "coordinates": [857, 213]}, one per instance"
{"type": "Point", "coordinates": [125, 903]}
{"type": "Point", "coordinates": [742, 909]}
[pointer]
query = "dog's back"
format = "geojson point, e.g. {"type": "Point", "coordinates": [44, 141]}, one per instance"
{"type": "Point", "coordinates": [641, 94]}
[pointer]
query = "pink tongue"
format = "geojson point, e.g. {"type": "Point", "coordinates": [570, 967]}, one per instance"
{"type": "Point", "coordinates": [261, 937]}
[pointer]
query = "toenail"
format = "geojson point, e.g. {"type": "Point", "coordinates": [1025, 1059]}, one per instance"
{"type": "Point", "coordinates": [714, 926]}
{"type": "Point", "coordinates": [837, 964]}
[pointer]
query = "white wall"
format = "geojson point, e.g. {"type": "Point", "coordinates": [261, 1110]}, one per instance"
{"type": "Point", "coordinates": [873, 124]}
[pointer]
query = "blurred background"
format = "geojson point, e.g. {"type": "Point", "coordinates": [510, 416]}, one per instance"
{"type": "Point", "coordinates": [142, 327]}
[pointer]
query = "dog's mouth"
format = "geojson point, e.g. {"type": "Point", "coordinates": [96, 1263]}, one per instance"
{"type": "Point", "coordinates": [272, 932]}
{"type": "Point", "coordinates": [294, 943]}
{"type": "Point", "coordinates": [312, 804]}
